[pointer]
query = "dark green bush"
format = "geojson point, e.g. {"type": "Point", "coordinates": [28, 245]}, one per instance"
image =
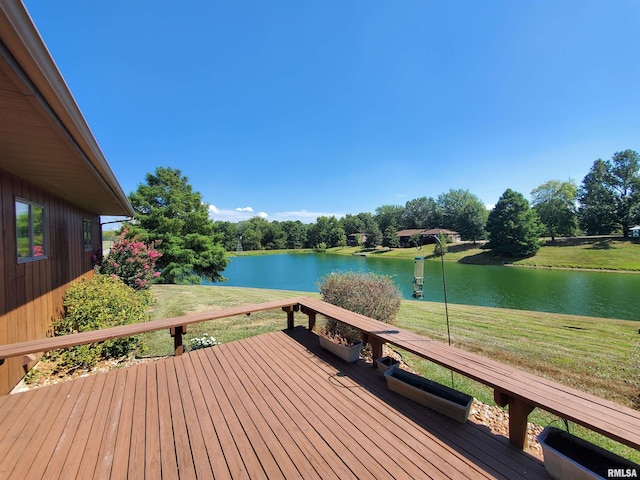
{"type": "Point", "coordinates": [101, 302]}
{"type": "Point", "coordinates": [440, 248]}
{"type": "Point", "coordinates": [369, 294]}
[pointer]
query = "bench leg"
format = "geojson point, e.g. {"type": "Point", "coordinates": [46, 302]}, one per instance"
{"type": "Point", "coordinates": [376, 349]}
{"type": "Point", "coordinates": [312, 318]}
{"type": "Point", "coordinates": [518, 417]}
{"type": "Point", "coordinates": [290, 315]}
{"type": "Point", "coordinates": [176, 333]}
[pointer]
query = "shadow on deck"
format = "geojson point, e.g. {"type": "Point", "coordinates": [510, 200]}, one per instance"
{"type": "Point", "coordinates": [271, 406]}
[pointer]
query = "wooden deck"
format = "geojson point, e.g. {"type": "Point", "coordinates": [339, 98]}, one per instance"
{"type": "Point", "coordinates": [272, 406]}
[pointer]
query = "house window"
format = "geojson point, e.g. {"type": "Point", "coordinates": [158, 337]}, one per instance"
{"type": "Point", "coordinates": [30, 231]}
{"type": "Point", "coordinates": [87, 228]}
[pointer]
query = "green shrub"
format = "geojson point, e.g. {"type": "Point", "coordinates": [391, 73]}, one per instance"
{"type": "Point", "coordinates": [101, 302]}
{"type": "Point", "coordinates": [440, 248]}
{"type": "Point", "coordinates": [369, 294]}
{"type": "Point", "coordinates": [321, 247]}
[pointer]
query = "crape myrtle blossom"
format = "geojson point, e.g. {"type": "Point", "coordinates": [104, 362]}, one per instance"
{"type": "Point", "coordinates": [131, 260]}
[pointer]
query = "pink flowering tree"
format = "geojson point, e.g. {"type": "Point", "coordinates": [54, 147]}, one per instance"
{"type": "Point", "coordinates": [131, 260]}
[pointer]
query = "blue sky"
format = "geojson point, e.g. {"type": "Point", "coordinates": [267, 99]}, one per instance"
{"type": "Point", "coordinates": [294, 109]}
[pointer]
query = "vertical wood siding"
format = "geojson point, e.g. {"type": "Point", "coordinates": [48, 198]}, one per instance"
{"type": "Point", "coordinates": [31, 293]}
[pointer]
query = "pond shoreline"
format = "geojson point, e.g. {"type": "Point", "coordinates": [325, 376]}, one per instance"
{"type": "Point", "coordinates": [588, 254]}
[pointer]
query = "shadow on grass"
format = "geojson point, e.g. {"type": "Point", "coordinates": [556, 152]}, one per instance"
{"type": "Point", "coordinates": [487, 258]}
{"type": "Point", "coordinates": [603, 245]}
{"type": "Point", "coordinates": [594, 241]}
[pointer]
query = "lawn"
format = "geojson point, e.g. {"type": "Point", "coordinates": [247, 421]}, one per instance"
{"type": "Point", "coordinates": [599, 253]}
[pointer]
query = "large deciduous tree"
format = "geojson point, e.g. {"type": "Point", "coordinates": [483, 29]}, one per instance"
{"type": "Point", "coordinates": [327, 231]}
{"type": "Point", "coordinates": [389, 216]}
{"type": "Point", "coordinates": [167, 209]}
{"type": "Point", "coordinates": [422, 212]}
{"type": "Point", "coordinates": [555, 203]}
{"type": "Point", "coordinates": [610, 194]}
{"type": "Point", "coordinates": [514, 227]}
{"type": "Point", "coordinates": [464, 213]}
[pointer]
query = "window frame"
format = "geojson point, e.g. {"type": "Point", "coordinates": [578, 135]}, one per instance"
{"type": "Point", "coordinates": [32, 257]}
{"type": "Point", "coordinates": [87, 222]}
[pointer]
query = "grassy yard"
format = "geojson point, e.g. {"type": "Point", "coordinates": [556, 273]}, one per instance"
{"type": "Point", "coordinates": [600, 356]}
{"type": "Point", "coordinates": [604, 253]}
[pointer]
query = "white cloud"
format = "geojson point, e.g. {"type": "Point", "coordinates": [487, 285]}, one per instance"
{"type": "Point", "coordinates": [237, 215]}
{"type": "Point", "coordinates": [245, 213]}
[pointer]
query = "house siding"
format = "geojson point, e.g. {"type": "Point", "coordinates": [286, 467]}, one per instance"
{"type": "Point", "coordinates": [32, 292]}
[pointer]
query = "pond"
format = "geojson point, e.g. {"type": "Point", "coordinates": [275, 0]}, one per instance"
{"type": "Point", "coordinates": [597, 294]}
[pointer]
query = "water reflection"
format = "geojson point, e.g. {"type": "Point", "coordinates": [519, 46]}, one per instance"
{"type": "Point", "coordinates": [600, 294]}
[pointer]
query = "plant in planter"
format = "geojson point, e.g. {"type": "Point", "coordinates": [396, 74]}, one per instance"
{"type": "Point", "coordinates": [569, 457]}
{"type": "Point", "coordinates": [340, 340]}
{"type": "Point", "coordinates": [442, 399]}
{"type": "Point", "coordinates": [369, 294]}
{"type": "Point", "coordinates": [385, 363]}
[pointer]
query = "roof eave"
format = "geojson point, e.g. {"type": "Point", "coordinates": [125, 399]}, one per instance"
{"type": "Point", "coordinates": [21, 37]}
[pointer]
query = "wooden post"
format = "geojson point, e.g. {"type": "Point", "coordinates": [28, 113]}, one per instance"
{"type": "Point", "coordinates": [176, 333]}
{"type": "Point", "coordinates": [290, 309]}
{"type": "Point", "coordinates": [312, 318]}
{"type": "Point", "coordinates": [519, 411]}
{"type": "Point", "coordinates": [376, 346]}
{"type": "Point", "coordinates": [376, 349]}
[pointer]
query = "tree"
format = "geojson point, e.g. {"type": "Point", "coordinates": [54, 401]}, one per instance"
{"type": "Point", "coordinates": [610, 194]}
{"type": "Point", "coordinates": [514, 227]}
{"type": "Point", "coordinates": [336, 235]}
{"type": "Point", "coordinates": [169, 211]}
{"type": "Point", "coordinates": [296, 232]}
{"type": "Point", "coordinates": [389, 215]}
{"type": "Point", "coordinates": [596, 214]}
{"type": "Point", "coordinates": [253, 233]}
{"type": "Point", "coordinates": [229, 232]}
{"type": "Point", "coordinates": [422, 212]}
{"type": "Point", "coordinates": [390, 237]}
{"type": "Point", "coordinates": [374, 235]}
{"type": "Point", "coordinates": [275, 238]}
{"type": "Point", "coordinates": [328, 231]}
{"type": "Point", "coordinates": [555, 203]}
{"type": "Point", "coordinates": [464, 213]}
{"type": "Point", "coordinates": [352, 224]}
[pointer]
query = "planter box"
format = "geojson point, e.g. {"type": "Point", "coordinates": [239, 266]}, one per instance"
{"type": "Point", "coordinates": [442, 399]}
{"type": "Point", "coordinates": [569, 457]}
{"type": "Point", "coordinates": [348, 353]}
{"type": "Point", "coordinates": [385, 363]}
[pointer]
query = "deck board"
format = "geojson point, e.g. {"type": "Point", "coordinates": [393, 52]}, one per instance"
{"type": "Point", "coordinates": [271, 406]}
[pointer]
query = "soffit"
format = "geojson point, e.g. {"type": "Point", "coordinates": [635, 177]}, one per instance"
{"type": "Point", "coordinates": [43, 136]}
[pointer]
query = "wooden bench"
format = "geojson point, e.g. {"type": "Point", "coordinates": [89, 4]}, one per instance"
{"type": "Point", "coordinates": [519, 390]}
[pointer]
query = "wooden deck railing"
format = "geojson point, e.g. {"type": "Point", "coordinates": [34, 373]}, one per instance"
{"type": "Point", "coordinates": [519, 390]}
{"type": "Point", "coordinates": [177, 326]}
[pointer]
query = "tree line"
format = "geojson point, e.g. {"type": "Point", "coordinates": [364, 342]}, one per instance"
{"type": "Point", "coordinates": [194, 247]}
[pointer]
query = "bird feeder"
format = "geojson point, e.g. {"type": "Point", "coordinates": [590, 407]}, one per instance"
{"type": "Point", "coordinates": [418, 277]}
